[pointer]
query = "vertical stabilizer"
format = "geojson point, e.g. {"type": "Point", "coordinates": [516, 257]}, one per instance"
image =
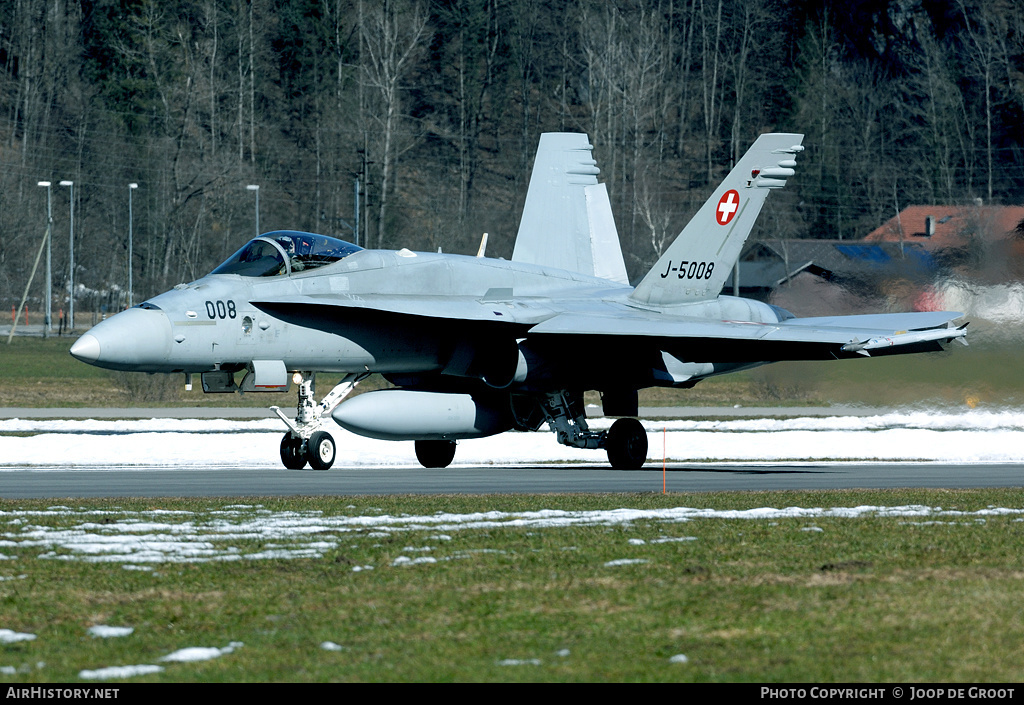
{"type": "Point", "coordinates": [696, 265]}
{"type": "Point", "coordinates": [567, 220]}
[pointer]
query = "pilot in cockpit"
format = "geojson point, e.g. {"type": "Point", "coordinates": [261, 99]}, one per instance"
{"type": "Point", "coordinates": [290, 252]}
{"type": "Point", "coordinates": [293, 256]}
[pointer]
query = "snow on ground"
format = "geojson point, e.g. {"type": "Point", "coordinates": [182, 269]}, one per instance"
{"type": "Point", "coordinates": [111, 672]}
{"type": "Point", "coordinates": [102, 631]}
{"type": "Point", "coordinates": [201, 653]}
{"type": "Point", "coordinates": [155, 537]}
{"type": "Point", "coordinates": [161, 536]}
{"type": "Point", "coordinates": [968, 437]}
{"type": "Point", "coordinates": [8, 636]}
{"type": "Point", "coordinates": [186, 655]}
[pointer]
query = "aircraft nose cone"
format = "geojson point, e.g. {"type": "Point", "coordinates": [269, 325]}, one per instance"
{"type": "Point", "coordinates": [136, 339]}
{"type": "Point", "coordinates": [86, 348]}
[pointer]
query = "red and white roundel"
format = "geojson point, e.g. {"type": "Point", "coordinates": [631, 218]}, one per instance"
{"type": "Point", "coordinates": [727, 207]}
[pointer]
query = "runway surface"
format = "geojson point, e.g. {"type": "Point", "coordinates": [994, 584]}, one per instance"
{"type": "Point", "coordinates": [260, 482]}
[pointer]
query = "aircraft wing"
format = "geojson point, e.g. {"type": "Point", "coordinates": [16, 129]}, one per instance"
{"type": "Point", "coordinates": [703, 339]}
{"type": "Point", "coordinates": [829, 336]}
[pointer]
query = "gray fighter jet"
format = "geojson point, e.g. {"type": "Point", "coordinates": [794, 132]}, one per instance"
{"type": "Point", "coordinates": [477, 346]}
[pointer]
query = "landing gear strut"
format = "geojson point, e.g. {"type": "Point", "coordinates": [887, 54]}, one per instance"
{"type": "Point", "coordinates": [306, 441]}
{"type": "Point", "coordinates": [625, 442]}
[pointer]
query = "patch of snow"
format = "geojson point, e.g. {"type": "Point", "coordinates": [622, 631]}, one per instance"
{"type": "Point", "coordinates": [101, 631]}
{"type": "Point", "coordinates": [119, 672]}
{"type": "Point", "coordinates": [201, 653]}
{"type": "Point", "coordinates": [405, 560]}
{"type": "Point", "coordinates": [8, 636]}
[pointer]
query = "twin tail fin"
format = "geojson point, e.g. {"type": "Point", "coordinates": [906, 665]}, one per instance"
{"type": "Point", "coordinates": [697, 264]}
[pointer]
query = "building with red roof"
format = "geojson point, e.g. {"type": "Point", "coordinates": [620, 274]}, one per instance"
{"type": "Point", "coordinates": [937, 227]}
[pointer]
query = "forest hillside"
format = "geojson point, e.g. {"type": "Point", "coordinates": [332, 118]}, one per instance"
{"type": "Point", "coordinates": [427, 113]}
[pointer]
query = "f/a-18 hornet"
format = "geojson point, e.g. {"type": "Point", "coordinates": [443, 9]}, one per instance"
{"type": "Point", "coordinates": [476, 346]}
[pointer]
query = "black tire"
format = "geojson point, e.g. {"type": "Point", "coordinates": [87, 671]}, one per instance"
{"type": "Point", "coordinates": [292, 454]}
{"type": "Point", "coordinates": [320, 450]}
{"type": "Point", "coordinates": [435, 454]}
{"type": "Point", "coordinates": [626, 444]}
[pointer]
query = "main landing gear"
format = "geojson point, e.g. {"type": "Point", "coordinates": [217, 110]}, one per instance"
{"type": "Point", "coordinates": [435, 454]}
{"type": "Point", "coordinates": [306, 441]}
{"type": "Point", "coordinates": [625, 442]}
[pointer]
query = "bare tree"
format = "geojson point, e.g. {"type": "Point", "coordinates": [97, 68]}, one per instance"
{"type": "Point", "coordinates": [626, 65]}
{"type": "Point", "coordinates": [392, 36]}
{"type": "Point", "coordinates": [711, 28]}
{"type": "Point", "coordinates": [934, 115]}
{"type": "Point", "coordinates": [749, 39]}
{"type": "Point", "coordinates": [985, 29]}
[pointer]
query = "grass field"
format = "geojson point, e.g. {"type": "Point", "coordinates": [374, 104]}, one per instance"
{"type": "Point", "coordinates": [421, 589]}
{"type": "Point", "coordinates": [39, 372]}
{"type": "Point", "coordinates": [424, 589]}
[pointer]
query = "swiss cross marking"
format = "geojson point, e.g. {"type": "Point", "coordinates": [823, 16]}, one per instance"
{"type": "Point", "coordinates": [727, 206]}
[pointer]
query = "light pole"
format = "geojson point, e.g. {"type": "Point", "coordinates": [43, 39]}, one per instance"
{"type": "Point", "coordinates": [47, 328]}
{"type": "Point", "coordinates": [256, 188]}
{"type": "Point", "coordinates": [71, 257]}
{"type": "Point", "coordinates": [131, 187]}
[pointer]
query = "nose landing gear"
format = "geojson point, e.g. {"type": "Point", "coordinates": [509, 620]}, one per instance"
{"type": "Point", "coordinates": [306, 441]}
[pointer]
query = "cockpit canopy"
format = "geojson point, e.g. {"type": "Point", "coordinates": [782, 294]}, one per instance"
{"type": "Point", "coordinates": [285, 252]}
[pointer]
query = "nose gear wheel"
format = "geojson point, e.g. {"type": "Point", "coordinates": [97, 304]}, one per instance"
{"type": "Point", "coordinates": [293, 452]}
{"type": "Point", "coordinates": [306, 441]}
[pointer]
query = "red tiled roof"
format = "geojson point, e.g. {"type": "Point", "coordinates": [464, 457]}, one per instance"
{"type": "Point", "coordinates": [953, 224]}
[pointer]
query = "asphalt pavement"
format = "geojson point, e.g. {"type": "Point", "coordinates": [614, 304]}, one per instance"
{"type": "Point", "coordinates": [527, 479]}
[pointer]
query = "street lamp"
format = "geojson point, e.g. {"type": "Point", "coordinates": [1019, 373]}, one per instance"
{"type": "Point", "coordinates": [256, 188]}
{"type": "Point", "coordinates": [131, 187]}
{"type": "Point", "coordinates": [47, 327]}
{"type": "Point", "coordinates": [71, 257]}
